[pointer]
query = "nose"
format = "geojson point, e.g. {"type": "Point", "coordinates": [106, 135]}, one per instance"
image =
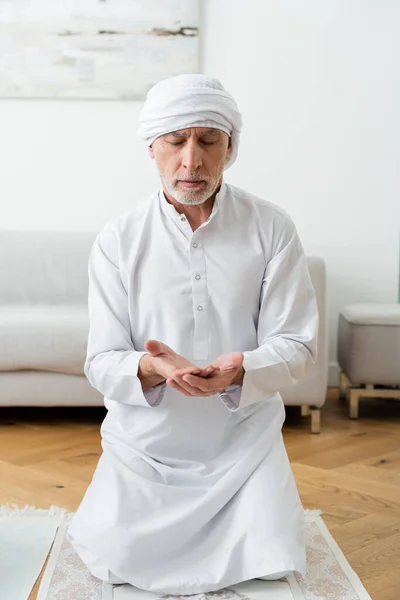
{"type": "Point", "coordinates": [191, 156]}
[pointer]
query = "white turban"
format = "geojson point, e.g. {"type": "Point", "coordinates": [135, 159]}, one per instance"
{"type": "Point", "coordinates": [192, 100]}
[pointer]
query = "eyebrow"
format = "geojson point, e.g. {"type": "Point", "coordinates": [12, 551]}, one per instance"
{"type": "Point", "coordinates": [209, 132]}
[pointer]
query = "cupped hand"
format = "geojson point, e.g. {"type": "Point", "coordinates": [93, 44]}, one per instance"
{"type": "Point", "coordinates": [168, 364]}
{"type": "Point", "coordinates": [226, 370]}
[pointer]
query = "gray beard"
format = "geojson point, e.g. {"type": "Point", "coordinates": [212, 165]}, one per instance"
{"type": "Point", "coordinates": [193, 197]}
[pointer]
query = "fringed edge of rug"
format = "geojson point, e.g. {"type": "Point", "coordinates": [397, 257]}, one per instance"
{"type": "Point", "coordinates": [312, 513]}
{"type": "Point", "coordinates": [13, 510]}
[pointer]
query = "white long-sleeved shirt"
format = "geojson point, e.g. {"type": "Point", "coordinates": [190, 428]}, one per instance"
{"type": "Point", "coordinates": [238, 283]}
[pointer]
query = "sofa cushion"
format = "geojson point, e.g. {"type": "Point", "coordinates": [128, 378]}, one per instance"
{"type": "Point", "coordinates": [44, 337]}
{"type": "Point", "coordinates": [49, 267]}
{"type": "Point", "coordinates": [372, 314]}
{"type": "Point", "coordinates": [369, 343]}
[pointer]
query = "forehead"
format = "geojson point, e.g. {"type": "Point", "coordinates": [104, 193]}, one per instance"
{"type": "Point", "coordinates": [196, 131]}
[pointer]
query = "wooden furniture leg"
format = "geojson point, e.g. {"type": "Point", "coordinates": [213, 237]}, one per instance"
{"type": "Point", "coordinates": [305, 410]}
{"type": "Point", "coordinates": [354, 398]}
{"type": "Point", "coordinates": [315, 419]}
{"type": "Point", "coordinates": [369, 392]}
{"type": "Point", "coordinates": [343, 385]}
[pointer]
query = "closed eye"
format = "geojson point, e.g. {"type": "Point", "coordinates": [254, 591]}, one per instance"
{"type": "Point", "coordinates": [201, 142]}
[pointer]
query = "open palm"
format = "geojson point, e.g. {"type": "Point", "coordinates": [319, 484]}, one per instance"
{"type": "Point", "coordinates": [228, 362]}
{"type": "Point", "coordinates": [226, 369]}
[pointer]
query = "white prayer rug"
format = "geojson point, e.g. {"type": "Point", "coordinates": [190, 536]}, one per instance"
{"type": "Point", "coordinates": [329, 575]}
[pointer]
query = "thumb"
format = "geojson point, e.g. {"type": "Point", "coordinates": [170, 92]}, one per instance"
{"type": "Point", "coordinates": [154, 347]}
{"type": "Point", "coordinates": [231, 361]}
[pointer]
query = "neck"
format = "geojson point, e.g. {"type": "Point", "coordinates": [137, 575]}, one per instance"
{"type": "Point", "coordinates": [196, 214]}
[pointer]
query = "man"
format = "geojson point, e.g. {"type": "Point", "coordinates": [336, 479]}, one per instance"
{"type": "Point", "coordinates": [201, 309]}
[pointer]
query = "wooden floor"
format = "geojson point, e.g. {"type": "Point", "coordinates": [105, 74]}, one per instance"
{"type": "Point", "coordinates": [351, 471]}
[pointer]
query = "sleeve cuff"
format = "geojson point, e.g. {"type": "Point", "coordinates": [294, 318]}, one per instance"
{"type": "Point", "coordinates": [155, 395]}
{"type": "Point", "coordinates": [230, 396]}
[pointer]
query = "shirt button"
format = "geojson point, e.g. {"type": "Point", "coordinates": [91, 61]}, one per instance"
{"type": "Point", "coordinates": [198, 277]}
{"type": "Point", "coordinates": [183, 218]}
{"type": "Point", "coordinates": [195, 245]}
{"type": "Point", "coordinates": [199, 307]}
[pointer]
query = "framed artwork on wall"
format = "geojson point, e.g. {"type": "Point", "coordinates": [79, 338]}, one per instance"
{"type": "Point", "coordinates": [105, 49]}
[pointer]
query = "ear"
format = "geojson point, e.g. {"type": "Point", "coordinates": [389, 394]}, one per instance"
{"type": "Point", "coordinates": [151, 151]}
{"type": "Point", "coordinates": [229, 149]}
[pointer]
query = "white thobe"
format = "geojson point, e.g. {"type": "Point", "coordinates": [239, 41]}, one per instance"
{"type": "Point", "coordinates": [193, 494]}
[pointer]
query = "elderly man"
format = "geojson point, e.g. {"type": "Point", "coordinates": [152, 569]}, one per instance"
{"type": "Point", "coordinates": [201, 309]}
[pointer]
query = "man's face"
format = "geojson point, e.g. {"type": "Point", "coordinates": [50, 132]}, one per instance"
{"type": "Point", "coordinates": [191, 162]}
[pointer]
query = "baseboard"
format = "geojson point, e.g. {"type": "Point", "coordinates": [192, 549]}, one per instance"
{"type": "Point", "coordinates": [333, 374]}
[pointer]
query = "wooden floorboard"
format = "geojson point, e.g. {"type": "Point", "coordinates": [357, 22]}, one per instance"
{"type": "Point", "coordinates": [351, 471]}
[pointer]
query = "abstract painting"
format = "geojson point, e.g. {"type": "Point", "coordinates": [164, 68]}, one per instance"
{"type": "Point", "coordinates": [106, 49]}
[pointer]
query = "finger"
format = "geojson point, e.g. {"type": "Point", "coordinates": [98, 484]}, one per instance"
{"type": "Point", "coordinates": [208, 371]}
{"type": "Point", "coordinates": [213, 384]}
{"type": "Point", "coordinates": [156, 348]}
{"type": "Point", "coordinates": [193, 391]}
{"type": "Point", "coordinates": [193, 370]}
{"type": "Point", "coordinates": [189, 390]}
{"type": "Point", "coordinates": [179, 388]}
{"type": "Point", "coordinates": [185, 370]}
{"type": "Point", "coordinates": [199, 383]}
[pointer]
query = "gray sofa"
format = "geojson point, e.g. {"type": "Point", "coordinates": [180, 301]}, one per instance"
{"type": "Point", "coordinates": [44, 323]}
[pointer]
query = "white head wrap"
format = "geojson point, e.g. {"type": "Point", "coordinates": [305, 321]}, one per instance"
{"type": "Point", "coordinates": [191, 100]}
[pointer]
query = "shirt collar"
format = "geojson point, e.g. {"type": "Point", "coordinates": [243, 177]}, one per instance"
{"type": "Point", "coordinates": [169, 209]}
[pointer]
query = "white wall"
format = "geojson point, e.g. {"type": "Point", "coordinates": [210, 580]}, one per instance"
{"type": "Point", "coordinates": [69, 164]}
{"type": "Point", "coordinates": [319, 87]}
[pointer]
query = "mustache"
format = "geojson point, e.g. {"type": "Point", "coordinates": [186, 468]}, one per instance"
{"type": "Point", "coordinates": [195, 177]}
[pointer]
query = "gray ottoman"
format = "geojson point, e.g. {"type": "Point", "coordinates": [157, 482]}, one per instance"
{"type": "Point", "coordinates": [369, 352]}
